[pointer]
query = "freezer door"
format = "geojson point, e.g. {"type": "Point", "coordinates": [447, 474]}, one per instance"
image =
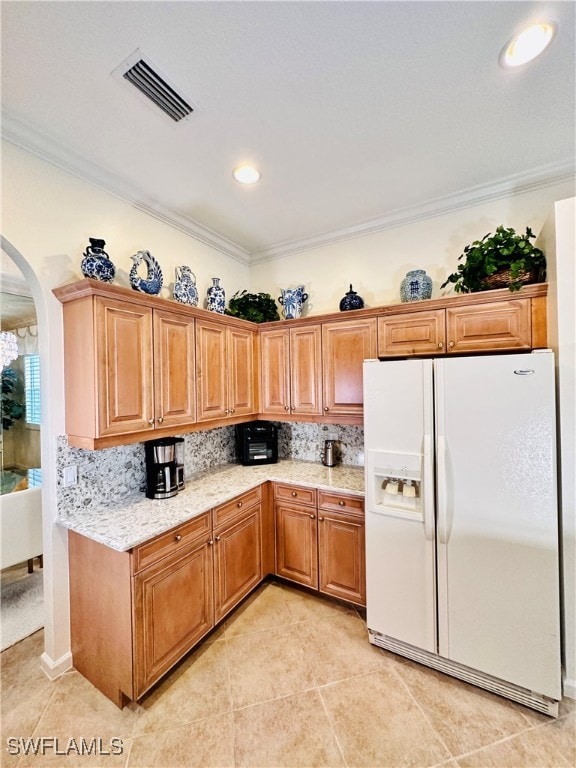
{"type": "Point", "coordinates": [497, 547]}
{"type": "Point", "coordinates": [400, 554]}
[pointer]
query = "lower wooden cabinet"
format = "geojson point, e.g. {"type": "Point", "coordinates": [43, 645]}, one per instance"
{"type": "Point", "coordinates": [135, 614]}
{"type": "Point", "coordinates": [320, 541]}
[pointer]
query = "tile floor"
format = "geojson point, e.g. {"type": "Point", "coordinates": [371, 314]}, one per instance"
{"type": "Point", "coordinates": [289, 679]}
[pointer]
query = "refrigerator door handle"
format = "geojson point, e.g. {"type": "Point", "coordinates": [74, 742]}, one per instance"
{"type": "Point", "coordinates": [443, 532]}
{"type": "Point", "coordinates": [428, 495]}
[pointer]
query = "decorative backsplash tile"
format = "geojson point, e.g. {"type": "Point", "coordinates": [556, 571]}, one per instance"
{"type": "Point", "coordinates": [305, 441]}
{"type": "Point", "coordinates": [111, 474]}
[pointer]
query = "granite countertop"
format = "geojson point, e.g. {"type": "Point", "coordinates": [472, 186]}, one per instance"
{"type": "Point", "coordinates": [136, 519]}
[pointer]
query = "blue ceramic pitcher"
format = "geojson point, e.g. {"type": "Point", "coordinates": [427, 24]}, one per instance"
{"type": "Point", "coordinates": [292, 300]}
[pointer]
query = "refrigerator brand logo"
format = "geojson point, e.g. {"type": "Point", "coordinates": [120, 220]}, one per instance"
{"type": "Point", "coordinates": [524, 371]}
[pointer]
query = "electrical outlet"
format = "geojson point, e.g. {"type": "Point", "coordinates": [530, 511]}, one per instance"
{"type": "Point", "coordinates": [332, 434]}
{"type": "Point", "coordinates": [70, 476]}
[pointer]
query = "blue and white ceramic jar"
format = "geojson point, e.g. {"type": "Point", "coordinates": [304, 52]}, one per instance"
{"type": "Point", "coordinates": [416, 286]}
{"type": "Point", "coordinates": [96, 262]}
{"type": "Point", "coordinates": [216, 297]}
{"type": "Point", "coordinates": [185, 290]}
{"type": "Point", "coordinates": [292, 300]}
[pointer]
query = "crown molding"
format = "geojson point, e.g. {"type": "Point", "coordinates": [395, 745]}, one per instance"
{"type": "Point", "coordinates": [536, 178]}
{"type": "Point", "coordinates": [44, 147]}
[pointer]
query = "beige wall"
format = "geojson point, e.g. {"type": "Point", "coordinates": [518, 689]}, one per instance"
{"type": "Point", "coordinates": [375, 264]}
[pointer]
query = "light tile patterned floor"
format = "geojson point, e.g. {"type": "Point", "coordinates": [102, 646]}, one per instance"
{"type": "Point", "coordinates": [288, 680]}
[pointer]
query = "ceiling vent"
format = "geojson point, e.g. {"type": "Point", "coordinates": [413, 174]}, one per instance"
{"type": "Point", "coordinates": [144, 76]}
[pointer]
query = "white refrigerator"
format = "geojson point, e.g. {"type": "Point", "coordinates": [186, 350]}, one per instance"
{"type": "Point", "coordinates": [462, 519]}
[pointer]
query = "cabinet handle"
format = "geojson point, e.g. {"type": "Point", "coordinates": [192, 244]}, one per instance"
{"type": "Point", "coordinates": [292, 408]}
{"type": "Point", "coordinates": [320, 519]}
{"type": "Point", "coordinates": [312, 517]}
{"type": "Point", "coordinates": [227, 410]}
{"type": "Point", "coordinates": [150, 421]}
{"type": "Point", "coordinates": [232, 410]}
{"type": "Point", "coordinates": [294, 494]}
{"type": "Point", "coordinates": [451, 344]}
{"type": "Point", "coordinates": [160, 419]}
{"type": "Point", "coordinates": [178, 537]}
{"type": "Point", "coordinates": [286, 407]}
{"type": "Point", "coordinates": [342, 503]}
{"type": "Point", "coordinates": [440, 344]}
{"type": "Point", "coordinates": [239, 504]}
{"type": "Point", "coordinates": [210, 542]}
{"type": "Point", "coordinates": [216, 538]}
{"type": "Point", "coordinates": [326, 408]}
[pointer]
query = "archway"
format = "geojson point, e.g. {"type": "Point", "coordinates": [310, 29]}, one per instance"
{"type": "Point", "coordinates": [56, 658]}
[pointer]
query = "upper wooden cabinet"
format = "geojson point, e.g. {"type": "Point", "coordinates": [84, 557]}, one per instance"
{"type": "Point", "coordinates": [129, 370]}
{"type": "Point", "coordinates": [345, 345]}
{"type": "Point", "coordinates": [466, 324]}
{"type": "Point", "coordinates": [291, 371]}
{"type": "Point", "coordinates": [226, 371]}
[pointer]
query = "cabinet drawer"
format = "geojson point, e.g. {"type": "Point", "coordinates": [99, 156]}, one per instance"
{"type": "Point", "coordinates": [168, 543]}
{"type": "Point", "coordinates": [227, 512]}
{"type": "Point", "coordinates": [295, 493]}
{"type": "Point", "coordinates": [337, 502]}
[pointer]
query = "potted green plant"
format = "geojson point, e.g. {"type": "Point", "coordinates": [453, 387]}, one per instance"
{"type": "Point", "coordinates": [12, 409]}
{"type": "Point", "coordinates": [504, 259]}
{"type": "Point", "coordinates": [257, 307]}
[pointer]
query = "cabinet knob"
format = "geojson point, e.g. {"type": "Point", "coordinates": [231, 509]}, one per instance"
{"type": "Point", "coordinates": [239, 504]}
{"type": "Point", "coordinates": [210, 542]}
{"type": "Point", "coordinates": [286, 407]}
{"type": "Point", "coordinates": [294, 494]}
{"type": "Point", "coordinates": [342, 503]}
{"type": "Point", "coordinates": [216, 538]}
{"type": "Point", "coordinates": [160, 419]}
{"type": "Point", "coordinates": [451, 344]}
{"type": "Point", "coordinates": [227, 410]}
{"type": "Point", "coordinates": [313, 517]}
{"type": "Point", "coordinates": [326, 408]}
{"type": "Point", "coordinates": [440, 344]}
{"type": "Point", "coordinates": [178, 537]}
{"type": "Point", "coordinates": [292, 408]}
{"type": "Point", "coordinates": [320, 519]}
{"type": "Point", "coordinates": [150, 421]}
{"type": "Point", "coordinates": [232, 410]}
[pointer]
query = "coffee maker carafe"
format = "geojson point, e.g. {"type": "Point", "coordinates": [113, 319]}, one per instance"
{"type": "Point", "coordinates": [161, 468]}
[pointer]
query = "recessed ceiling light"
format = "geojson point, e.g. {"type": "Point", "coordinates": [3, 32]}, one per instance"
{"type": "Point", "coordinates": [527, 45]}
{"type": "Point", "coordinates": [246, 174]}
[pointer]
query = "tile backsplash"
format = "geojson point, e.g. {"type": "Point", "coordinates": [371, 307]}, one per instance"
{"type": "Point", "coordinates": [108, 475]}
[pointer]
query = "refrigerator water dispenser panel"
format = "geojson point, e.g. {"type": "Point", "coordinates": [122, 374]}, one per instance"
{"type": "Point", "coordinates": [396, 483]}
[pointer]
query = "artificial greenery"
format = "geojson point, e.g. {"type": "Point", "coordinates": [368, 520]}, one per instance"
{"type": "Point", "coordinates": [257, 307]}
{"type": "Point", "coordinates": [12, 410]}
{"type": "Point", "coordinates": [504, 250]}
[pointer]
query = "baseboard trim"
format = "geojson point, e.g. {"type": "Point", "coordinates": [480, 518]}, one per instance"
{"type": "Point", "coordinates": [55, 668]}
{"type": "Point", "coordinates": [569, 688]}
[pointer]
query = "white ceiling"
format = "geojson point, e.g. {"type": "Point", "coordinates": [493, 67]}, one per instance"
{"type": "Point", "coordinates": [360, 115]}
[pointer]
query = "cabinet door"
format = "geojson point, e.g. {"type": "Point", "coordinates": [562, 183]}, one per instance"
{"type": "Point", "coordinates": [237, 561]}
{"type": "Point", "coordinates": [296, 544]}
{"type": "Point", "coordinates": [412, 333]}
{"type": "Point", "coordinates": [174, 369]}
{"type": "Point", "coordinates": [173, 609]}
{"type": "Point", "coordinates": [342, 565]}
{"type": "Point", "coordinates": [240, 364]}
{"type": "Point", "coordinates": [124, 367]}
{"type": "Point", "coordinates": [345, 345]}
{"type": "Point", "coordinates": [212, 381]}
{"type": "Point", "coordinates": [275, 372]}
{"type": "Point", "coordinates": [488, 327]}
{"type": "Point", "coordinates": [306, 370]}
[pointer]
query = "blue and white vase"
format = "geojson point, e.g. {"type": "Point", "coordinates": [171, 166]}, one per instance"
{"type": "Point", "coordinates": [152, 283]}
{"type": "Point", "coordinates": [216, 297]}
{"type": "Point", "coordinates": [292, 300]}
{"type": "Point", "coordinates": [96, 262]}
{"type": "Point", "coordinates": [185, 290]}
{"type": "Point", "coordinates": [416, 286]}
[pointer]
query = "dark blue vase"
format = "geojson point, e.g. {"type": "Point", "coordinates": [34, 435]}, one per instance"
{"type": "Point", "coordinates": [96, 263]}
{"type": "Point", "coordinates": [351, 301]}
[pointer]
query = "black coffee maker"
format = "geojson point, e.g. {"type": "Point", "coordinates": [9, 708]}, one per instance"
{"type": "Point", "coordinates": [161, 468]}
